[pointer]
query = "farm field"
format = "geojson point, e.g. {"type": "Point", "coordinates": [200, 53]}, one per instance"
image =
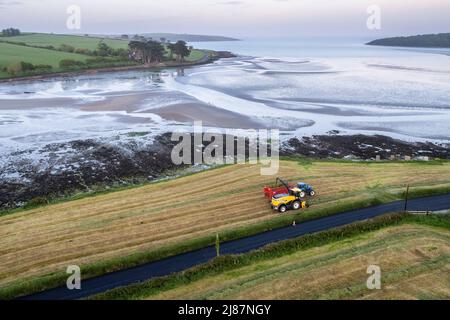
{"type": "Point", "coordinates": [79, 42]}
{"type": "Point", "coordinates": [119, 224]}
{"type": "Point", "coordinates": [10, 54]}
{"type": "Point", "coordinates": [195, 55]}
{"type": "Point", "coordinates": [414, 262]}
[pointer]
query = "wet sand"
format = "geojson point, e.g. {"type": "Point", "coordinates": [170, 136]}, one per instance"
{"type": "Point", "coordinates": [211, 116]}
{"type": "Point", "coordinates": [186, 112]}
{"type": "Point", "coordinates": [128, 103]}
{"type": "Point", "coordinates": [28, 104]}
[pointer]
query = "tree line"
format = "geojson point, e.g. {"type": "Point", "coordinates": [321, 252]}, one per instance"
{"type": "Point", "coordinates": [149, 51]}
{"type": "Point", "coordinates": [102, 50]}
{"type": "Point", "coordinates": [10, 32]}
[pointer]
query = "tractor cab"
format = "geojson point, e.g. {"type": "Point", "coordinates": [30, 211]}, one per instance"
{"type": "Point", "coordinates": [306, 189]}
{"type": "Point", "coordinates": [297, 192]}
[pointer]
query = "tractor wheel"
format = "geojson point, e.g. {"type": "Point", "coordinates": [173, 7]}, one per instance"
{"type": "Point", "coordinates": [296, 205]}
{"type": "Point", "coordinates": [312, 193]}
{"type": "Point", "coordinates": [302, 194]}
{"type": "Point", "coordinates": [282, 209]}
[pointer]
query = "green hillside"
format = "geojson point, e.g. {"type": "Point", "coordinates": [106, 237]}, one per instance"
{"type": "Point", "coordinates": [188, 37]}
{"type": "Point", "coordinates": [441, 40]}
{"type": "Point", "coordinates": [40, 51]}
{"type": "Point", "coordinates": [11, 54]}
{"type": "Point", "coordinates": [79, 42]}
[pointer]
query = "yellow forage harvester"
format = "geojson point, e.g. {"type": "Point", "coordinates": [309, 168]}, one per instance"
{"type": "Point", "coordinates": [288, 196]}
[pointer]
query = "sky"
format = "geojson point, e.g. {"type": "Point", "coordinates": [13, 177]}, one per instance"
{"type": "Point", "coordinates": [238, 18]}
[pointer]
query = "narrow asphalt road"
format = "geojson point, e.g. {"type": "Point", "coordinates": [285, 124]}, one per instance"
{"type": "Point", "coordinates": [187, 260]}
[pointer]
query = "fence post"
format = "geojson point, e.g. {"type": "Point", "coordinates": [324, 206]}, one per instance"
{"type": "Point", "coordinates": [406, 197]}
{"type": "Point", "coordinates": [217, 245]}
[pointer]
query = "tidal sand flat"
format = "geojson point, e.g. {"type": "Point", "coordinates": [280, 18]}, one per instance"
{"type": "Point", "coordinates": [27, 104]}
{"type": "Point", "coordinates": [130, 102]}
{"type": "Point", "coordinates": [209, 115]}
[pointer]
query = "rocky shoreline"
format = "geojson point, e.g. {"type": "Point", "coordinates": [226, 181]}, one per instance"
{"type": "Point", "coordinates": [61, 169]}
{"type": "Point", "coordinates": [363, 147]}
{"type": "Point", "coordinates": [64, 169]}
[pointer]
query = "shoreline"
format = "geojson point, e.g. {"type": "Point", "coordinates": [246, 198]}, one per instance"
{"type": "Point", "coordinates": [210, 57]}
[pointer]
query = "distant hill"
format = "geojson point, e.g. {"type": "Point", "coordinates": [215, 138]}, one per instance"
{"type": "Point", "coordinates": [441, 40]}
{"type": "Point", "coordinates": [173, 37]}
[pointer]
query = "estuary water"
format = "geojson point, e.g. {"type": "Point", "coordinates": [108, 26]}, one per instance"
{"type": "Point", "coordinates": [300, 86]}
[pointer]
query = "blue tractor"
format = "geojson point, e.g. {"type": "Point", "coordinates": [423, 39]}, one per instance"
{"type": "Point", "coordinates": [305, 189]}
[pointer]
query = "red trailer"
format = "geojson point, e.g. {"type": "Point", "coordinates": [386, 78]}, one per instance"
{"type": "Point", "coordinates": [269, 192]}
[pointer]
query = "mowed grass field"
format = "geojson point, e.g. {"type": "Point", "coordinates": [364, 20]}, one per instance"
{"type": "Point", "coordinates": [11, 54]}
{"type": "Point", "coordinates": [414, 262]}
{"type": "Point", "coordinates": [78, 42]}
{"type": "Point", "coordinates": [48, 239]}
{"type": "Point", "coordinates": [196, 55]}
